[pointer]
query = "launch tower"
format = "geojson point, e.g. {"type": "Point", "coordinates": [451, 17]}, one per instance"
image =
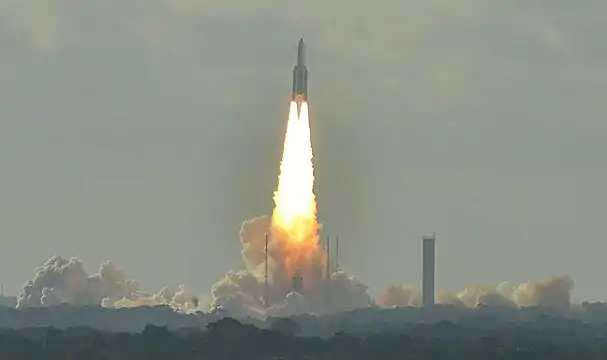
{"type": "Point", "coordinates": [428, 269]}
{"type": "Point", "coordinates": [297, 281]}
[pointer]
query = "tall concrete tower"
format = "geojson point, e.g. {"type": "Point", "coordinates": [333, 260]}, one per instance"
{"type": "Point", "coordinates": [428, 269]}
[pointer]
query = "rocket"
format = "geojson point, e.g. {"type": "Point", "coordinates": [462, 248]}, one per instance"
{"type": "Point", "coordinates": [300, 77]}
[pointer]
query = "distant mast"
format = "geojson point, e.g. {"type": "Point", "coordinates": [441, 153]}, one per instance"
{"type": "Point", "coordinates": [328, 258]}
{"type": "Point", "coordinates": [428, 270]}
{"type": "Point", "coordinates": [336, 253]}
{"type": "Point", "coordinates": [266, 286]}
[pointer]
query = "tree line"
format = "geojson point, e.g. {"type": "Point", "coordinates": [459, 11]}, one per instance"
{"type": "Point", "coordinates": [546, 338]}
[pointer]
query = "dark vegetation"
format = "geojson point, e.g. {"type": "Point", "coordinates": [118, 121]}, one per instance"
{"type": "Point", "coordinates": [441, 333]}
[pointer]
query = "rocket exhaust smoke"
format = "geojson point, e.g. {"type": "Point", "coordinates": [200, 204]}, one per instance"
{"type": "Point", "coordinates": [294, 250]}
{"type": "Point", "coordinates": [64, 281]}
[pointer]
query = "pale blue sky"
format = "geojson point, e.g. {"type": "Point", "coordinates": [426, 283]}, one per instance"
{"type": "Point", "coordinates": [146, 131]}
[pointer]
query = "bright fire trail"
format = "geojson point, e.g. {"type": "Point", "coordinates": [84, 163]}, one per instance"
{"type": "Point", "coordinates": [294, 222]}
{"type": "Point", "coordinates": [295, 202]}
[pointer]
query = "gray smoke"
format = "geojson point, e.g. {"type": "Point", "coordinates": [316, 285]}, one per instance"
{"type": "Point", "coordinates": [553, 291]}
{"type": "Point", "coordinates": [239, 293]}
{"type": "Point", "coordinates": [60, 280]}
{"type": "Point", "coordinates": [243, 292]}
{"type": "Point", "coordinates": [64, 281]}
{"type": "Point", "coordinates": [398, 296]}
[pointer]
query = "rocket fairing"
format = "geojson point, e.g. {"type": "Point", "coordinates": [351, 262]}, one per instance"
{"type": "Point", "coordinates": [300, 76]}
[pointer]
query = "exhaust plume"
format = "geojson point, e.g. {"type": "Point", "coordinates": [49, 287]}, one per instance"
{"type": "Point", "coordinates": [293, 245]}
{"type": "Point", "coordinates": [294, 227]}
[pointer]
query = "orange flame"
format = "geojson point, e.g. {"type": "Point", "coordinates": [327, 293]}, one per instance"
{"type": "Point", "coordinates": [294, 223]}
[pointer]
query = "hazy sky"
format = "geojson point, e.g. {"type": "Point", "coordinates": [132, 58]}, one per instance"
{"type": "Point", "coordinates": [146, 131]}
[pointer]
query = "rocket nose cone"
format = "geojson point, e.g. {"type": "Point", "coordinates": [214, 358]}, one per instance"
{"type": "Point", "coordinates": [301, 41]}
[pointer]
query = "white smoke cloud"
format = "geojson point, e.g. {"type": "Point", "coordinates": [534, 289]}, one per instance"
{"type": "Point", "coordinates": [64, 281]}
{"type": "Point", "coordinates": [294, 303]}
{"type": "Point", "coordinates": [553, 291]}
{"type": "Point", "coordinates": [482, 295]}
{"type": "Point", "coordinates": [180, 299]}
{"type": "Point", "coordinates": [398, 296]}
{"type": "Point", "coordinates": [347, 293]}
{"type": "Point", "coordinates": [243, 292]}
{"type": "Point", "coordinates": [239, 293]}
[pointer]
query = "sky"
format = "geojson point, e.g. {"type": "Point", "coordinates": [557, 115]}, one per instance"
{"type": "Point", "coordinates": [145, 131]}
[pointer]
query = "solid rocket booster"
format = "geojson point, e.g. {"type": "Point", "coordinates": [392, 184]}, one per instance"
{"type": "Point", "coordinates": [300, 76]}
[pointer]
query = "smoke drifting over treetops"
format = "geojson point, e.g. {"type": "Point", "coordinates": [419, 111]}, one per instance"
{"type": "Point", "coordinates": [64, 281]}
{"type": "Point", "coordinates": [241, 292]}
{"type": "Point", "coordinates": [553, 291]}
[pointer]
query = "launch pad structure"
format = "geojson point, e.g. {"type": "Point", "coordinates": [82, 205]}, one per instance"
{"type": "Point", "coordinates": [428, 270]}
{"type": "Point", "coordinates": [332, 266]}
{"type": "Point", "coordinates": [297, 280]}
{"type": "Point", "coordinates": [266, 289]}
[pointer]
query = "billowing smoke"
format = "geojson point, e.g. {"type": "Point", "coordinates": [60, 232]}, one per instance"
{"type": "Point", "coordinates": [244, 292]}
{"type": "Point", "coordinates": [398, 296]}
{"type": "Point", "coordinates": [240, 293]}
{"type": "Point", "coordinates": [64, 281]}
{"type": "Point", "coordinates": [553, 291]}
